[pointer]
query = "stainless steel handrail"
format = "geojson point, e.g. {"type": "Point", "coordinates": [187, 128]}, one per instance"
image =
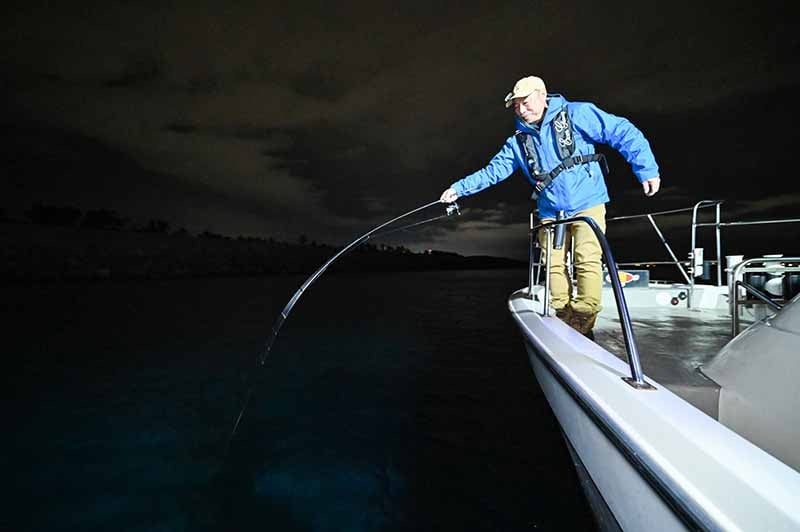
{"type": "Point", "coordinates": [548, 262]}
{"type": "Point", "coordinates": [672, 211]}
{"type": "Point", "coordinates": [717, 224]}
{"type": "Point", "coordinates": [759, 294]}
{"type": "Point", "coordinates": [752, 222]}
{"type": "Point", "coordinates": [654, 262]}
{"type": "Point", "coordinates": [679, 264]}
{"type": "Point", "coordinates": [532, 261]}
{"type": "Point", "coordinates": [756, 292]}
{"type": "Point", "coordinates": [669, 249]}
{"type": "Point", "coordinates": [636, 379]}
{"type": "Point", "coordinates": [733, 287]}
{"type": "Point", "coordinates": [699, 205]}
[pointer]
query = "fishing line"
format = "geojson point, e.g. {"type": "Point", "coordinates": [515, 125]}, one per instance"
{"type": "Point", "coordinates": [451, 209]}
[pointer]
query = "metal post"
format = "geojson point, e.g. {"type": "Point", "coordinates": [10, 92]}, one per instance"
{"type": "Point", "coordinates": [669, 249]}
{"type": "Point", "coordinates": [695, 225]}
{"type": "Point", "coordinates": [538, 279]}
{"type": "Point", "coordinates": [756, 292]}
{"type": "Point", "coordinates": [733, 288]}
{"type": "Point", "coordinates": [549, 256]}
{"type": "Point", "coordinates": [719, 251]}
{"type": "Point", "coordinates": [691, 255]}
{"type": "Point", "coordinates": [637, 378]}
{"type": "Point", "coordinates": [571, 264]}
{"type": "Point", "coordinates": [532, 257]}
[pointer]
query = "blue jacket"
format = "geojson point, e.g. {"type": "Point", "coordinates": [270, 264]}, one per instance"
{"type": "Point", "coordinates": [583, 185]}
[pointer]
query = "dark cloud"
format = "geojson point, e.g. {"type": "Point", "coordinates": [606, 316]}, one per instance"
{"type": "Point", "coordinates": [182, 129]}
{"type": "Point", "coordinates": [325, 119]}
{"type": "Point", "coordinates": [239, 132]}
{"type": "Point", "coordinates": [137, 71]}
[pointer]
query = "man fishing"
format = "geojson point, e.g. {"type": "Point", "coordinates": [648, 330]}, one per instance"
{"type": "Point", "coordinates": [554, 145]}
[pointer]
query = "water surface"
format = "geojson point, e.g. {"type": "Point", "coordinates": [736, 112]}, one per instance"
{"type": "Point", "coordinates": [389, 402]}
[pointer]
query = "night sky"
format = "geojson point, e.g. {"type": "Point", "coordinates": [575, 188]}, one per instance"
{"type": "Point", "coordinates": [327, 118]}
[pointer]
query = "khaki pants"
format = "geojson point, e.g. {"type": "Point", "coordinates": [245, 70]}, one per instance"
{"type": "Point", "coordinates": [587, 264]}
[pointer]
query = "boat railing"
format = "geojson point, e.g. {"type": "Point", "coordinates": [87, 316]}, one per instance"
{"type": "Point", "coordinates": [686, 268]}
{"type": "Point", "coordinates": [718, 225]}
{"type": "Point", "coordinates": [776, 266]}
{"type": "Point", "coordinates": [684, 271]}
{"type": "Point", "coordinates": [636, 379]}
{"type": "Point", "coordinates": [694, 266]}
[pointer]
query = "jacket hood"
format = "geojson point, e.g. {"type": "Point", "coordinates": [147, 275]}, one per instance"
{"type": "Point", "coordinates": [554, 104]}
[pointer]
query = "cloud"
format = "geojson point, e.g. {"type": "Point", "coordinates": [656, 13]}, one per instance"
{"type": "Point", "coordinates": [351, 112]}
{"type": "Point", "coordinates": [766, 206]}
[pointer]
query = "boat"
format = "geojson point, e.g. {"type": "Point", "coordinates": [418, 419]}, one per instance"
{"type": "Point", "coordinates": [683, 413]}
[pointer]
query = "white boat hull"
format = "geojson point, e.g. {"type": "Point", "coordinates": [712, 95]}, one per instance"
{"type": "Point", "coordinates": [652, 460]}
{"type": "Point", "coordinates": [620, 497]}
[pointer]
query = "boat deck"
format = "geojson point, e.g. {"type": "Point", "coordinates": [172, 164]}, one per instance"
{"type": "Point", "coordinates": [672, 347]}
{"type": "Point", "coordinates": [673, 341]}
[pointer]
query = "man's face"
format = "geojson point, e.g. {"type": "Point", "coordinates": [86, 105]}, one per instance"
{"type": "Point", "coordinates": [531, 108]}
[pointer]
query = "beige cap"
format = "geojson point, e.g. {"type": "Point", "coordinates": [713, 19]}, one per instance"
{"type": "Point", "coordinates": [524, 87]}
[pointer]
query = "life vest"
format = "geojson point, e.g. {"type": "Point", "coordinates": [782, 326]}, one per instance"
{"type": "Point", "coordinates": [564, 137]}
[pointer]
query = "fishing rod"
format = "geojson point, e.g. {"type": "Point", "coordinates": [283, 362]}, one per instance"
{"type": "Point", "coordinates": [452, 208]}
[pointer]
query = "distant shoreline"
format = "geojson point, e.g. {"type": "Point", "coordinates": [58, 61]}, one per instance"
{"type": "Point", "coordinates": [36, 253]}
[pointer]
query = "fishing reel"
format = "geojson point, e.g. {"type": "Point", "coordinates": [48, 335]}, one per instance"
{"type": "Point", "coordinates": [453, 208]}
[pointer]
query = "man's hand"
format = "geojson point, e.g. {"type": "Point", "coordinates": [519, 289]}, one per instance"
{"type": "Point", "coordinates": [449, 196]}
{"type": "Point", "coordinates": [651, 186]}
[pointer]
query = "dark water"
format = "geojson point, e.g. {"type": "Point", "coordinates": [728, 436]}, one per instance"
{"type": "Point", "coordinates": [390, 402]}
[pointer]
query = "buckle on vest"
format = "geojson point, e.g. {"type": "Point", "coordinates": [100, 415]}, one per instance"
{"type": "Point", "coordinates": [539, 186]}
{"type": "Point", "coordinates": [568, 163]}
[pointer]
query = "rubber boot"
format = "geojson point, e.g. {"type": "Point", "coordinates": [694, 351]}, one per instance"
{"type": "Point", "coordinates": [583, 322]}
{"type": "Point", "coordinates": [564, 314]}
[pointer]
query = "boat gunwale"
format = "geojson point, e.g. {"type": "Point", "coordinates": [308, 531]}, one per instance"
{"type": "Point", "coordinates": [676, 496]}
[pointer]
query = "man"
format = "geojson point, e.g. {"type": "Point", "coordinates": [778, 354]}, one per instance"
{"type": "Point", "coordinates": [554, 147]}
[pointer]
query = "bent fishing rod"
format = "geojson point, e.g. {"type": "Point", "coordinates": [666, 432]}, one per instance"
{"type": "Point", "coordinates": [452, 208]}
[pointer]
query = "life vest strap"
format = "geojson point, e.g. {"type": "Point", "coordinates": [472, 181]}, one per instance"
{"type": "Point", "coordinates": [564, 138]}
{"type": "Point", "coordinates": [544, 180]}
